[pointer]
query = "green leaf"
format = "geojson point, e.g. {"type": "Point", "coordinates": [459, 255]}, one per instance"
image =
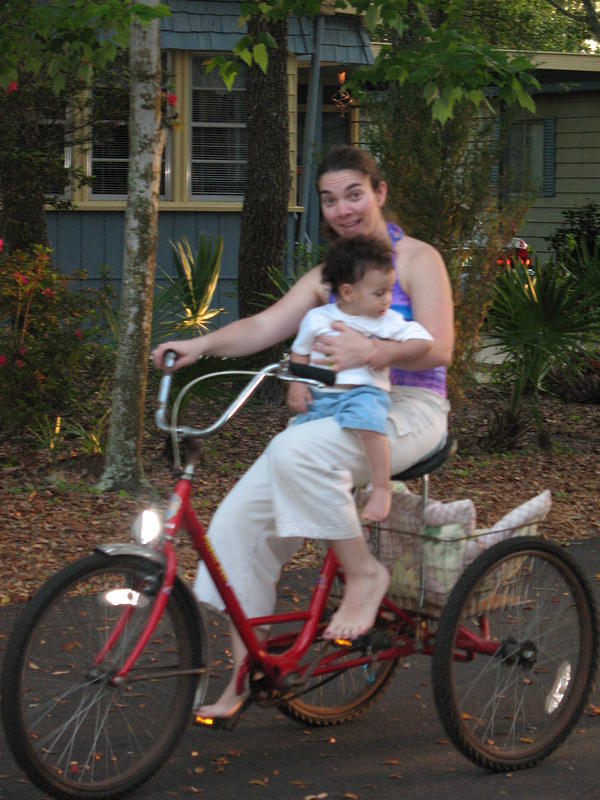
{"type": "Point", "coordinates": [261, 57]}
{"type": "Point", "coordinates": [266, 39]}
{"type": "Point", "coordinates": [228, 72]}
{"type": "Point", "coordinates": [431, 92]}
{"type": "Point", "coordinates": [371, 18]}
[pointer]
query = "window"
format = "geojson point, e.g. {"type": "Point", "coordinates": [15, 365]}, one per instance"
{"type": "Point", "coordinates": [58, 160]}
{"type": "Point", "coordinates": [218, 135]}
{"type": "Point", "coordinates": [530, 157]}
{"type": "Point", "coordinates": [110, 141]}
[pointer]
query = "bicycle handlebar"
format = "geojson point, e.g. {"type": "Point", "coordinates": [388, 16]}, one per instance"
{"type": "Point", "coordinates": [283, 370]}
{"type": "Point", "coordinates": [318, 374]}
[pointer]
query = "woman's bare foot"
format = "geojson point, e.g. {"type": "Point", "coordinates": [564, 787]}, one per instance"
{"type": "Point", "coordinates": [230, 701]}
{"type": "Point", "coordinates": [378, 505]}
{"type": "Point", "coordinates": [362, 597]}
{"type": "Point", "coordinates": [228, 704]}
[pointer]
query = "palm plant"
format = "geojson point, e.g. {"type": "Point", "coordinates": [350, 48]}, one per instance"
{"type": "Point", "coordinates": [193, 288]}
{"type": "Point", "coordinates": [539, 324]}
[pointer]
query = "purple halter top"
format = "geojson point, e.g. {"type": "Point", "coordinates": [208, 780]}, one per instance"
{"type": "Point", "coordinates": [434, 378]}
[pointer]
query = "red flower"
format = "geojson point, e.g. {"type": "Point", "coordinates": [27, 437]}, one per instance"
{"type": "Point", "coordinates": [2, 361]}
{"type": "Point", "coordinates": [172, 99]}
{"type": "Point", "coordinates": [19, 363]}
{"type": "Point", "coordinates": [78, 333]}
{"type": "Point", "coordinates": [48, 293]}
{"type": "Point", "coordinates": [20, 278]}
{"type": "Point", "coordinates": [12, 87]}
{"type": "Point", "coordinates": [21, 351]}
{"type": "Point", "coordinates": [1, 245]}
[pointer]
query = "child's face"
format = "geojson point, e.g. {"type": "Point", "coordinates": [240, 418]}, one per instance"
{"type": "Point", "coordinates": [371, 296]}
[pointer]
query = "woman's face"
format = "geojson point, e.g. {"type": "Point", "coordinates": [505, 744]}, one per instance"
{"type": "Point", "coordinates": [350, 205]}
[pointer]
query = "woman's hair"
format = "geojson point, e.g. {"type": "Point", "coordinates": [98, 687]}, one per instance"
{"type": "Point", "coordinates": [344, 156]}
{"type": "Point", "coordinates": [348, 260]}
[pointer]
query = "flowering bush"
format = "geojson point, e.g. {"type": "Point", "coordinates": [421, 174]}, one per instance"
{"type": "Point", "coordinates": [45, 347]}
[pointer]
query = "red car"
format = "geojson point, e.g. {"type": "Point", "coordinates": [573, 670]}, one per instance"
{"type": "Point", "coordinates": [515, 248]}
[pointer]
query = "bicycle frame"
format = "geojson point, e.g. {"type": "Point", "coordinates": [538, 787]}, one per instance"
{"type": "Point", "coordinates": [283, 670]}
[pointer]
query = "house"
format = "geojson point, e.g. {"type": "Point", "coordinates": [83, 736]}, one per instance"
{"type": "Point", "coordinates": [203, 165]}
{"type": "Point", "coordinates": [559, 146]}
{"type": "Point", "coordinates": [204, 161]}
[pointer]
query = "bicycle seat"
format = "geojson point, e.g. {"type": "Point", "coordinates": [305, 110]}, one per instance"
{"type": "Point", "coordinates": [429, 464]}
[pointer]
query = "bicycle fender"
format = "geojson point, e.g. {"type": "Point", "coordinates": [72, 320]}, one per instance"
{"type": "Point", "coordinates": [130, 549]}
{"type": "Point", "coordinates": [183, 591]}
{"type": "Point", "coordinates": [133, 549]}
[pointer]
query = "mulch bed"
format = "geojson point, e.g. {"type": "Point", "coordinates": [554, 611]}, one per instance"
{"type": "Point", "coordinates": [52, 513]}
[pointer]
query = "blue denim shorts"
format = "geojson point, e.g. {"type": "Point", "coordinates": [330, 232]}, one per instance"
{"type": "Point", "coordinates": [363, 408]}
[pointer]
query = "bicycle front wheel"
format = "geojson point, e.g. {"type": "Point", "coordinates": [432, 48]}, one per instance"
{"type": "Point", "coordinates": [515, 654]}
{"type": "Point", "coordinates": [72, 731]}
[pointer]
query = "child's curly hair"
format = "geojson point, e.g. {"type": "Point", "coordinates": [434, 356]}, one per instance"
{"type": "Point", "coordinates": [348, 260]}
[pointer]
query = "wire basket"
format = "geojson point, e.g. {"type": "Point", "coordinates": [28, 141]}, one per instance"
{"type": "Point", "coordinates": [425, 566]}
{"type": "Point", "coordinates": [426, 549]}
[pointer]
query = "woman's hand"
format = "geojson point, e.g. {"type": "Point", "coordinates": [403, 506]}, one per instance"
{"type": "Point", "coordinates": [346, 350]}
{"type": "Point", "coordinates": [299, 397]}
{"type": "Point", "coordinates": [187, 352]}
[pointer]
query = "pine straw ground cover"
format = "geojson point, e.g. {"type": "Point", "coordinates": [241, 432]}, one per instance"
{"type": "Point", "coordinates": [51, 513]}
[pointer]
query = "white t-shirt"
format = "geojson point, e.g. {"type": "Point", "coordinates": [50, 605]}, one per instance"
{"type": "Point", "coordinates": [392, 325]}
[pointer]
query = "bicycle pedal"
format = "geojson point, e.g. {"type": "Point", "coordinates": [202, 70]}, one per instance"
{"type": "Point", "coordinates": [223, 723]}
{"type": "Point", "coordinates": [373, 640]}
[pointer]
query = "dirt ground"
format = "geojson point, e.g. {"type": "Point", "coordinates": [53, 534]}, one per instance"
{"type": "Point", "coordinates": [53, 514]}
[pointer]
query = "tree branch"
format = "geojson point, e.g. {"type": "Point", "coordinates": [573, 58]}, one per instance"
{"type": "Point", "coordinates": [589, 17]}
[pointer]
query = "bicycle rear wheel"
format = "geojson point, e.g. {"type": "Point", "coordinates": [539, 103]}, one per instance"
{"type": "Point", "coordinates": [73, 732]}
{"type": "Point", "coordinates": [515, 654]}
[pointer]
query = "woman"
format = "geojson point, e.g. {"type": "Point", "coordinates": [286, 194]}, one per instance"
{"type": "Point", "coordinates": [301, 487]}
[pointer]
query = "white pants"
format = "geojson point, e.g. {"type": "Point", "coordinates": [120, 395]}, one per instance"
{"type": "Point", "coordinates": [301, 487]}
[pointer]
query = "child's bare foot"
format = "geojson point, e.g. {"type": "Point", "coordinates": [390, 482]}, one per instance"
{"type": "Point", "coordinates": [360, 603]}
{"type": "Point", "coordinates": [378, 505]}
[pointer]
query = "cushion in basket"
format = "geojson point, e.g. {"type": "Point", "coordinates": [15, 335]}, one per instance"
{"type": "Point", "coordinates": [521, 521]}
{"type": "Point", "coordinates": [437, 555]}
{"type": "Point", "coordinates": [448, 527]}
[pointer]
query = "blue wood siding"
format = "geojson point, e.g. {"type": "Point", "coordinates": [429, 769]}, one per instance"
{"type": "Point", "coordinates": [93, 241]}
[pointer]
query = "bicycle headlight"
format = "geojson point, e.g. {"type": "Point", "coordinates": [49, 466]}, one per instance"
{"type": "Point", "coordinates": [147, 526]}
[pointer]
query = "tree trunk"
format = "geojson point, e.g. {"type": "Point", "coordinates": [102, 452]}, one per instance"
{"type": "Point", "coordinates": [123, 467]}
{"type": "Point", "coordinates": [22, 218]}
{"type": "Point", "coordinates": [264, 215]}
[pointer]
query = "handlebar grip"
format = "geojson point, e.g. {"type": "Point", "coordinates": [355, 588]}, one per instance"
{"type": "Point", "coordinates": [320, 374]}
{"type": "Point", "coordinates": [169, 359]}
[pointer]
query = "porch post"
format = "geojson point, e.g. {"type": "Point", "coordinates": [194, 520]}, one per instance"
{"type": "Point", "coordinates": [312, 110]}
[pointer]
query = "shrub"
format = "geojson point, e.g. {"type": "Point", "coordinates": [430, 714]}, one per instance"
{"type": "Point", "coordinates": [45, 332]}
{"type": "Point", "coordinates": [581, 230]}
{"type": "Point", "coordinates": [542, 325]}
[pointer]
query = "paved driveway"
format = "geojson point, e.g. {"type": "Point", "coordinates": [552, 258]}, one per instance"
{"type": "Point", "coordinates": [396, 750]}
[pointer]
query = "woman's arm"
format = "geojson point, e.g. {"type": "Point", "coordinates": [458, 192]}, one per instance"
{"type": "Point", "coordinates": [251, 334]}
{"type": "Point", "coordinates": [428, 286]}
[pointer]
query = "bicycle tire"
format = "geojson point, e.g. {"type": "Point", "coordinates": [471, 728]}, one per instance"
{"type": "Point", "coordinates": [345, 696]}
{"type": "Point", "coordinates": [75, 735]}
{"type": "Point", "coordinates": [510, 710]}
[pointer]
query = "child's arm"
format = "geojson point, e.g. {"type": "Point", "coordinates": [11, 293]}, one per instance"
{"type": "Point", "coordinates": [299, 395]}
